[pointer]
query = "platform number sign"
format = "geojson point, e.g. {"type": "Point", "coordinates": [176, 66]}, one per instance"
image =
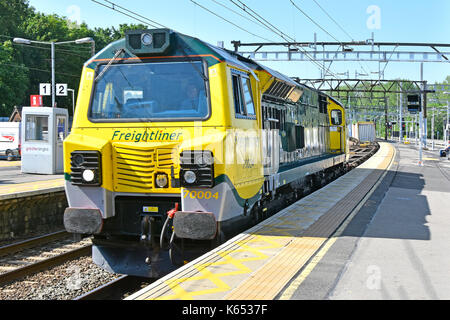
{"type": "Point", "coordinates": [61, 89]}
{"type": "Point", "coordinates": [45, 89]}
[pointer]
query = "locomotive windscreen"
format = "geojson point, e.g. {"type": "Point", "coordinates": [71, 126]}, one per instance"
{"type": "Point", "coordinates": [153, 91]}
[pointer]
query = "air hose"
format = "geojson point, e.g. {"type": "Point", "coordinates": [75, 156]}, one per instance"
{"type": "Point", "coordinates": [165, 229]}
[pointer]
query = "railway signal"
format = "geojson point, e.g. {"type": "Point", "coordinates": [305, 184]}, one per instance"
{"type": "Point", "coordinates": [414, 105]}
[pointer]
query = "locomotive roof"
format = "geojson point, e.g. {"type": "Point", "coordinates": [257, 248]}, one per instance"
{"type": "Point", "coordinates": [194, 47]}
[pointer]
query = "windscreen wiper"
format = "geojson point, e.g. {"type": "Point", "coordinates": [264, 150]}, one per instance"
{"type": "Point", "coordinates": [118, 53]}
{"type": "Point", "coordinates": [190, 60]}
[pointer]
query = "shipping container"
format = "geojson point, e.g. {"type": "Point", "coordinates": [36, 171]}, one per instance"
{"type": "Point", "coordinates": [364, 131]}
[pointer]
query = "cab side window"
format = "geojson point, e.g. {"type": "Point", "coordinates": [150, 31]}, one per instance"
{"type": "Point", "coordinates": [242, 95]}
{"type": "Point", "coordinates": [336, 117]}
{"type": "Point", "coordinates": [238, 103]}
{"type": "Point", "coordinates": [248, 97]}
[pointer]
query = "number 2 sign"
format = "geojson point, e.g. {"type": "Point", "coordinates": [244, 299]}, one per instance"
{"type": "Point", "coordinates": [61, 89]}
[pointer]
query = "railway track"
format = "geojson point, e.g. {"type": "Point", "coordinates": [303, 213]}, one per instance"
{"type": "Point", "coordinates": [361, 152]}
{"type": "Point", "coordinates": [117, 289]}
{"type": "Point", "coordinates": [21, 259]}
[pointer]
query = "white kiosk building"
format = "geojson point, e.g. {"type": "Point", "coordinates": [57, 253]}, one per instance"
{"type": "Point", "coordinates": [43, 132]}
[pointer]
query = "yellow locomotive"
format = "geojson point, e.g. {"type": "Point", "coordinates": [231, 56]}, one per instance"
{"type": "Point", "coordinates": [177, 145]}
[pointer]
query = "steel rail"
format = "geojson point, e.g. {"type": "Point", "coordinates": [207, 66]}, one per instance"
{"type": "Point", "coordinates": [44, 264]}
{"type": "Point", "coordinates": [115, 289]}
{"type": "Point", "coordinates": [359, 154]}
{"type": "Point", "coordinates": [30, 243]}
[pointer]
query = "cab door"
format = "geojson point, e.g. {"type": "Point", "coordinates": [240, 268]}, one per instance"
{"type": "Point", "coordinates": [337, 128]}
{"type": "Point", "coordinates": [246, 121]}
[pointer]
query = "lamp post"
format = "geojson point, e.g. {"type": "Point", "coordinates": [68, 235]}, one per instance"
{"type": "Point", "coordinates": [52, 46]}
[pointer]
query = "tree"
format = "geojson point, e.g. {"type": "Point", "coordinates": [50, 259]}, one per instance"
{"type": "Point", "coordinates": [13, 80]}
{"type": "Point", "coordinates": [12, 15]}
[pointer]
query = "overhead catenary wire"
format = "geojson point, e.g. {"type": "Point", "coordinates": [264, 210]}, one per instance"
{"type": "Point", "coordinates": [329, 16]}
{"type": "Point", "coordinates": [267, 24]}
{"type": "Point", "coordinates": [278, 32]}
{"type": "Point", "coordinates": [36, 69]}
{"type": "Point", "coordinates": [239, 14]}
{"type": "Point", "coordinates": [313, 21]}
{"type": "Point", "coordinates": [226, 20]}
{"type": "Point", "coordinates": [323, 29]}
{"type": "Point", "coordinates": [132, 12]}
{"type": "Point", "coordinates": [351, 38]}
{"type": "Point", "coordinates": [261, 21]}
{"type": "Point", "coordinates": [389, 59]}
{"type": "Point", "coordinates": [264, 22]}
{"type": "Point", "coordinates": [124, 13]}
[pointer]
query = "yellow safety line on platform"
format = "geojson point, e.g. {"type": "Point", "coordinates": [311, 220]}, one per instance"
{"type": "Point", "coordinates": [259, 263]}
{"type": "Point", "coordinates": [268, 281]}
{"type": "Point", "coordinates": [180, 286]}
{"type": "Point", "coordinates": [31, 186]}
{"type": "Point", "coordinates": [290, 290]}
{"type": "Point", "coordinates": [10, 164]}
{"type": "Point", "coordinates": [273, 276]}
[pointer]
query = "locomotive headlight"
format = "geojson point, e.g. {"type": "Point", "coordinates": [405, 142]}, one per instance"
{"type": "Point", "coordinates": [88, 175]}
{"type": "Point", "coordinates": [86, 168]}
{"type": "Point", "coordinates": [190, 176]}
{"type": "Point", "coordinates": [161, 180]}
{"type": "Point", "coordinates": [146, 39]}
{"type": "Point", "coordinates": [197, 168]}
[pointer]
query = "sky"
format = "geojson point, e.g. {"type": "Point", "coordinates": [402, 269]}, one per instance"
{"type": "Point", "coordinates": [390, 21]}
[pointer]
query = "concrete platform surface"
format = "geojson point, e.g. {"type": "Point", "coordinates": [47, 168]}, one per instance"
{"type": "Point", "coordinates": [403, 254]}
{"type": "Point", "coordinates": [14, 183]}
{"type": "Point", "coordinates": [396, 246]}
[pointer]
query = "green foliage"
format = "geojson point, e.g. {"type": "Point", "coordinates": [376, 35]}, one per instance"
{"type": "Point", "coordinates": [12, 15]}
{"type": "Point", "coordinates": [13, 80]}
{"type": "Point", "coordinates": [23, 67]}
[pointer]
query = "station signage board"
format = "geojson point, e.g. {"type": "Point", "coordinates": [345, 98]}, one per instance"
{"type": "Point", "coordinates": [61, 89]}
{"type": "Point", "coordinates": [36, 100]}
{"type": "Point", "coordinates": [45, 89]}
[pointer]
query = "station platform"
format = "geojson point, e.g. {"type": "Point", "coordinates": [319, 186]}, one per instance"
{"type": "Point", "coordinates": [274, 259]}
{"type": "Point", "coordinates": [402, 253]}
{"type": "Point", "coordinates": [15, 184]}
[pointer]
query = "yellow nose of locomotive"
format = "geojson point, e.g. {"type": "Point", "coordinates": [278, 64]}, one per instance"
{"type": "Point", "coordinates": [145, 167]}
